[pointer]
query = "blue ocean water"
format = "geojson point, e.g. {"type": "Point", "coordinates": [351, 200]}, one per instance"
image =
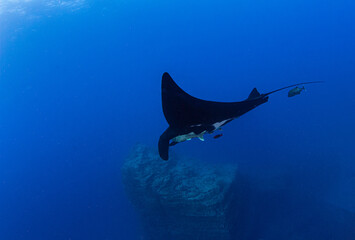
{"type": "Point", "coordinates": [80, 85]}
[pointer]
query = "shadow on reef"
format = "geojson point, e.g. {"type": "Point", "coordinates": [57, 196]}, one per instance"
{"type": "Point", "coordinates": [187, 199]}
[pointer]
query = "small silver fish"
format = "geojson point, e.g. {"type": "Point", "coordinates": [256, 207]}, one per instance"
{"type": "Point", "coordinates": [187, 137]}
{"type": "Point", "coordinates": [295, 91]}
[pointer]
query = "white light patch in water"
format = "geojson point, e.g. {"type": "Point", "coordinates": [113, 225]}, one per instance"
{"type": "Point", "coordinates": [23, 7]}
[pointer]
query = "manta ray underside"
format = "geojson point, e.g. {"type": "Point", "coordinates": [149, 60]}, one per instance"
{"type": "Point", "coordinates": [190, 117]}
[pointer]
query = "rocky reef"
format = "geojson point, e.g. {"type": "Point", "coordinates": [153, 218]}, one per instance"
{"type": "Point", "coordinates": [187, 199]}
{"type": "Point", "coordinates": [182, 198]}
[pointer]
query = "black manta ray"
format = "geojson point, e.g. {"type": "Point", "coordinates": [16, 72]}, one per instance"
{"type": "Point", "coordinates": [190, 117]}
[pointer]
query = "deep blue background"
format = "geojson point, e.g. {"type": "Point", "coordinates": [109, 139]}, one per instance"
{"type": "Point", "coordinates": [79, 88]}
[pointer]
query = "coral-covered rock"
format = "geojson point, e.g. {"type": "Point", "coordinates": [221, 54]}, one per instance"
{"type": "Point", "coordinates": [185, 199]}
{"type": "Point", "coordinates": [181, 198]}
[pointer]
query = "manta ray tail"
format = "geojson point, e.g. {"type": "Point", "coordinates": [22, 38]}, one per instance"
{"type": "Point", "coordinates": [293, 85]}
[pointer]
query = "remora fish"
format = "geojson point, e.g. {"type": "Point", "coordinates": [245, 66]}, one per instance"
{"type": "Point", "coordinates": [295, 91]}
{"type": "Point", "coordinates": [218, 136]}
{"type": "Point", "coordinates": [190, 117]}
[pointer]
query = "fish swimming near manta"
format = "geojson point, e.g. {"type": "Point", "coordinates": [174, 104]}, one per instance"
{"type": "Point", "coordinates": [190, 117]}
{"type": "Point", "coordinates": [295, 91]}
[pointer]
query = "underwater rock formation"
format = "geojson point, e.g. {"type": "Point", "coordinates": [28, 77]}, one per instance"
{"type": "Point", "coordinates": [181, 198]}
{"type": "Point", "coordinates": [186, 199]}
